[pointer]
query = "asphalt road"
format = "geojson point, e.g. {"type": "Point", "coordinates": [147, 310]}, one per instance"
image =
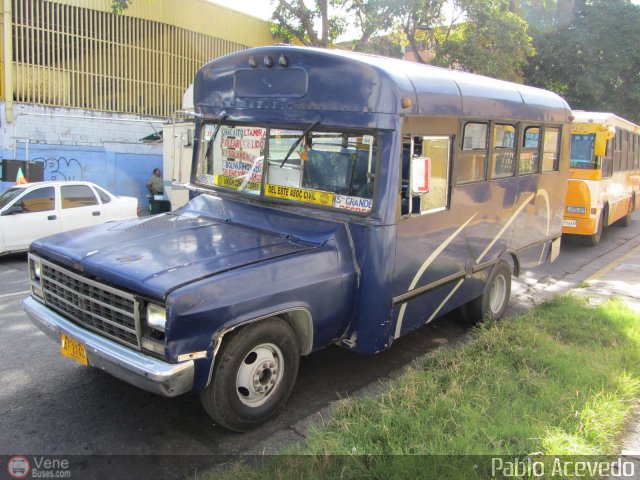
{"type": "Point", "coordinates": [50, 405]}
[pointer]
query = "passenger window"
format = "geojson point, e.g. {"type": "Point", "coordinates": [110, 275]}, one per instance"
{"type": "Point", "coordinates": [40, 200]}
{"type": "Point", "coordinates": [103, 195]}
{"type": "Point", "coordinates": [617, 154]}
{"type": "Point", "coordinates": [425, 174]}
{"type": "Point", "coordinates": [550, 155]}
{"type": "Point", "coordinates": [503, 153]}
{"type": "Point", "coordinates": [470, 165]}
{"type": "Point", "coordinates": [607, 160]}
{"type": "Point", "coordinates": [530, 153]}
{"type": "Point", "coordinates": [74, 196]}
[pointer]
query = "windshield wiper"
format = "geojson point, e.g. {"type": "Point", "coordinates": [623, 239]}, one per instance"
{"type": "Point", "coordinates": [223, 117]}
{"type": "Point", "coordinates": [297, 142]}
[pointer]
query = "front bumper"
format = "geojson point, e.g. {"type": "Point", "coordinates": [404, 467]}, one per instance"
{"type": "Point", "coordinates": [148, 373]}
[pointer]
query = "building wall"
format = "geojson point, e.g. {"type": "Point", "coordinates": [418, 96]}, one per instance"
{"type": "Point", "coordinates": [79, 54]}
{"type": "Point", "coordinates": [80, 79]}
{"type": "Point", "coordinates": [74, 144]}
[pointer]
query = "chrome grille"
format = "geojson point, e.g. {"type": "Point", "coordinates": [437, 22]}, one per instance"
{"type": "Point", "coordinates": [103, 309]}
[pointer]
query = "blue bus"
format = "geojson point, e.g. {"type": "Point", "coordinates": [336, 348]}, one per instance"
{"type": "Point", "coordinates": [337, 198]}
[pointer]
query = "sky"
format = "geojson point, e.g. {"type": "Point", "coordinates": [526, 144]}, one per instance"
{"type": "Point", "coordinates": [262, 8]}
{"type": "Point", "coordinates": [258, 8]}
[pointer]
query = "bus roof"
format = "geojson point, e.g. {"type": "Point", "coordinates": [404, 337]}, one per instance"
{"type": "Point", "coordinates": [604, 118]}
{"type": "Point", "coordinates": [301, 78]}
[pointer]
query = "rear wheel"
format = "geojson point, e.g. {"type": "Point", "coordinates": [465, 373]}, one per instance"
{"type": "Point", "coordinates": [626, 220]}
{"type": "Point", "coordinates": [494, 300]}
{"type": "Point", "coordinates": [253, 375]}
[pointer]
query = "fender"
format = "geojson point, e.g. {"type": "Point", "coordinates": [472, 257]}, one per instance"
{"type": "Point", "coordinates": [299, 318]}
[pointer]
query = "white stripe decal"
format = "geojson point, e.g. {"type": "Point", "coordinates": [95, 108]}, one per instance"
{"type": "Point", "coordinates": [424, 267]}
{"type": "Point", "coordinates": [504, 228]}
{"type": "Point", "coordinates": [543, 193]}
{"type": "Point", "coordinates": [454, 290]}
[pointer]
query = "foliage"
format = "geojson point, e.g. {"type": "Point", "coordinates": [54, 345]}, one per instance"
{"type": "Point", "coordinates": [119, 6]}
{"type": "Point", "coordinates": [491, 41]}
{"type": "Point", "coordinates": [293, 20]}
{"type": "Point", "coordinates": [587, 52]}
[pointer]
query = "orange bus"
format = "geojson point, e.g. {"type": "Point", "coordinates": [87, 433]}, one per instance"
{"type": "Point", "coordinates": [604, 174]}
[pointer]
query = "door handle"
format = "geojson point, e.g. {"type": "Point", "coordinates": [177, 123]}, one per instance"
{"type": "Point", "coordinates": [51, 217]}
{"type": "Point", "coordinates": [96, 214]}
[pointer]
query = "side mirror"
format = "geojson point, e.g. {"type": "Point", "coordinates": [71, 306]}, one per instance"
{"type": "Point", "coordinates": [15, 209]}
{"type": "Point", "coordinates": [600, 145]}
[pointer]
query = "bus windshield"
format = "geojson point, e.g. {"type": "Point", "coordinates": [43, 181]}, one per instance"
{"type": "Point", "coordinates": [334, 169]}
{"type": "Point", "coordinates": [582, 151]}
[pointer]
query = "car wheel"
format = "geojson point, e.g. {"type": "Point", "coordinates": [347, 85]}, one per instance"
{"type": "Point", "coordinates": [494, 300]}
{"type": "Point", "coordinates": [253, 375]}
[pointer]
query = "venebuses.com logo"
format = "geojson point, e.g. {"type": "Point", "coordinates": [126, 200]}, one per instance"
{"type": "Point", "coordinates": [20, 466]}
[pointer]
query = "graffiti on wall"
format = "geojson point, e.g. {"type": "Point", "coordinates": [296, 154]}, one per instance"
{"type": "Point", "coordinates": [62, 168]}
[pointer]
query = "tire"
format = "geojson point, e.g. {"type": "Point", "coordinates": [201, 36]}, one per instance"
{"type": "Point", "coordinates": [626, 220]}
{"type": "Point", "coordinates": [593, 240]}
{"type": "Point", "coordinates": [253, 375]}
{"type": "Point", "coordinates": [493, 302]}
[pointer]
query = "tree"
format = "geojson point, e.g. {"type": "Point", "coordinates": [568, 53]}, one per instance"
{"type": "Point", "coordinates": [589, 55]}
{"type": "Point", "coordinates": [322, 24]}
{"type": "Point", "coordinates": [292, 19]}
{"type": "Point", "coordinates": [118, 6]}
{"type": "Point", "coordinates": [492, 40]}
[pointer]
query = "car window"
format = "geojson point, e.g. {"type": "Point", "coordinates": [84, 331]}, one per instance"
{"type": "Point", "coordinates": [9, 195]}
{"type": "Point", "coordinates": [74, 196]}
{"type": "Point", "coordinates": [104, 196]}
{"type": "Point", "coordinates": [39, 200]}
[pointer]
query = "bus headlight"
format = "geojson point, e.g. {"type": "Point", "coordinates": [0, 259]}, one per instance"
{"type": "Point", "coordinates": [578, 210]}
{"type": "Point", "coordinates": [156, 317]}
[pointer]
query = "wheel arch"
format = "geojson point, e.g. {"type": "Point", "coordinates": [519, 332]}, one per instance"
{"type": "Point", "coordinates": [298, 318]}
{"type": "Point", "coordinates": [513, 260]}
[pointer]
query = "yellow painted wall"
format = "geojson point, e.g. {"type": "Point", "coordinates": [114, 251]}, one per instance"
{"type": "Point", "coordinates": [76, 53]}
{"type": "Point", "coordinates": [199, 16]}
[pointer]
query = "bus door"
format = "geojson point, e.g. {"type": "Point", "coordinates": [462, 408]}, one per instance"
{"type": "Point", "coordinates": [491, 195]}
{"type": "Point", "coordinates": [427, 248]}
{"type": "Point", "coordinates": [540, 186]}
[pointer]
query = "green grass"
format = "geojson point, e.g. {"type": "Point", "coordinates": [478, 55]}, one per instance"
{"type": "Point", "coordinates": [560, 380]}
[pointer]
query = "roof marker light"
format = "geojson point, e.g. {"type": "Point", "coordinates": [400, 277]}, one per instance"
{"type": "Point", "coordinates": [268, 61]}
{"type": "Point", "coordinates": [283, 62]}
{"type": "Point", "coordinates": [252, 62]}
{"type": "Point", "coordinates": [406, 102]}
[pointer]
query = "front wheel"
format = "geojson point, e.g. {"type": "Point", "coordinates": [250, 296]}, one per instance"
{"type": "Point", "coordinates": [494, 300]}
{"type": "Point", "coordinates": [253, 375]}
{"type": "Point", "coordinates": [593, 240]}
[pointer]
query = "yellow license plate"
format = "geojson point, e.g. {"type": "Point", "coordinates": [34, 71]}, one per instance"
{"type": "Point", "coordinates": [73, 349]}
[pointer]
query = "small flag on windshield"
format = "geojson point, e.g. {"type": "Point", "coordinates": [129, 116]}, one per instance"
{"type": "Point", "coordinates": [20, 178]}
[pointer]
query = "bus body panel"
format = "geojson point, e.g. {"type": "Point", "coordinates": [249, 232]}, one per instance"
{"type": "Point", "coordinates": [234, 256]}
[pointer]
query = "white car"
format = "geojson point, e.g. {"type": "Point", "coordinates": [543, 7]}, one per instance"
{"type": "Point", "coordinates": [35, 210]}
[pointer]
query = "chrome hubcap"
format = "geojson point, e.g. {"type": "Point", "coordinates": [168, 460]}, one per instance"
{"type": "Point", "coordinates": [497, 294]}
{"type": "Point", "coordinates": [259, 375]}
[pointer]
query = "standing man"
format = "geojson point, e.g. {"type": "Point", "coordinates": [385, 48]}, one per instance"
{"type": "Point", "coordinates": [155, 184]}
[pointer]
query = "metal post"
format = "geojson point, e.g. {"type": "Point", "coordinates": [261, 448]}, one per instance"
{"type": "Point", "coordinates": [8, 60]}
